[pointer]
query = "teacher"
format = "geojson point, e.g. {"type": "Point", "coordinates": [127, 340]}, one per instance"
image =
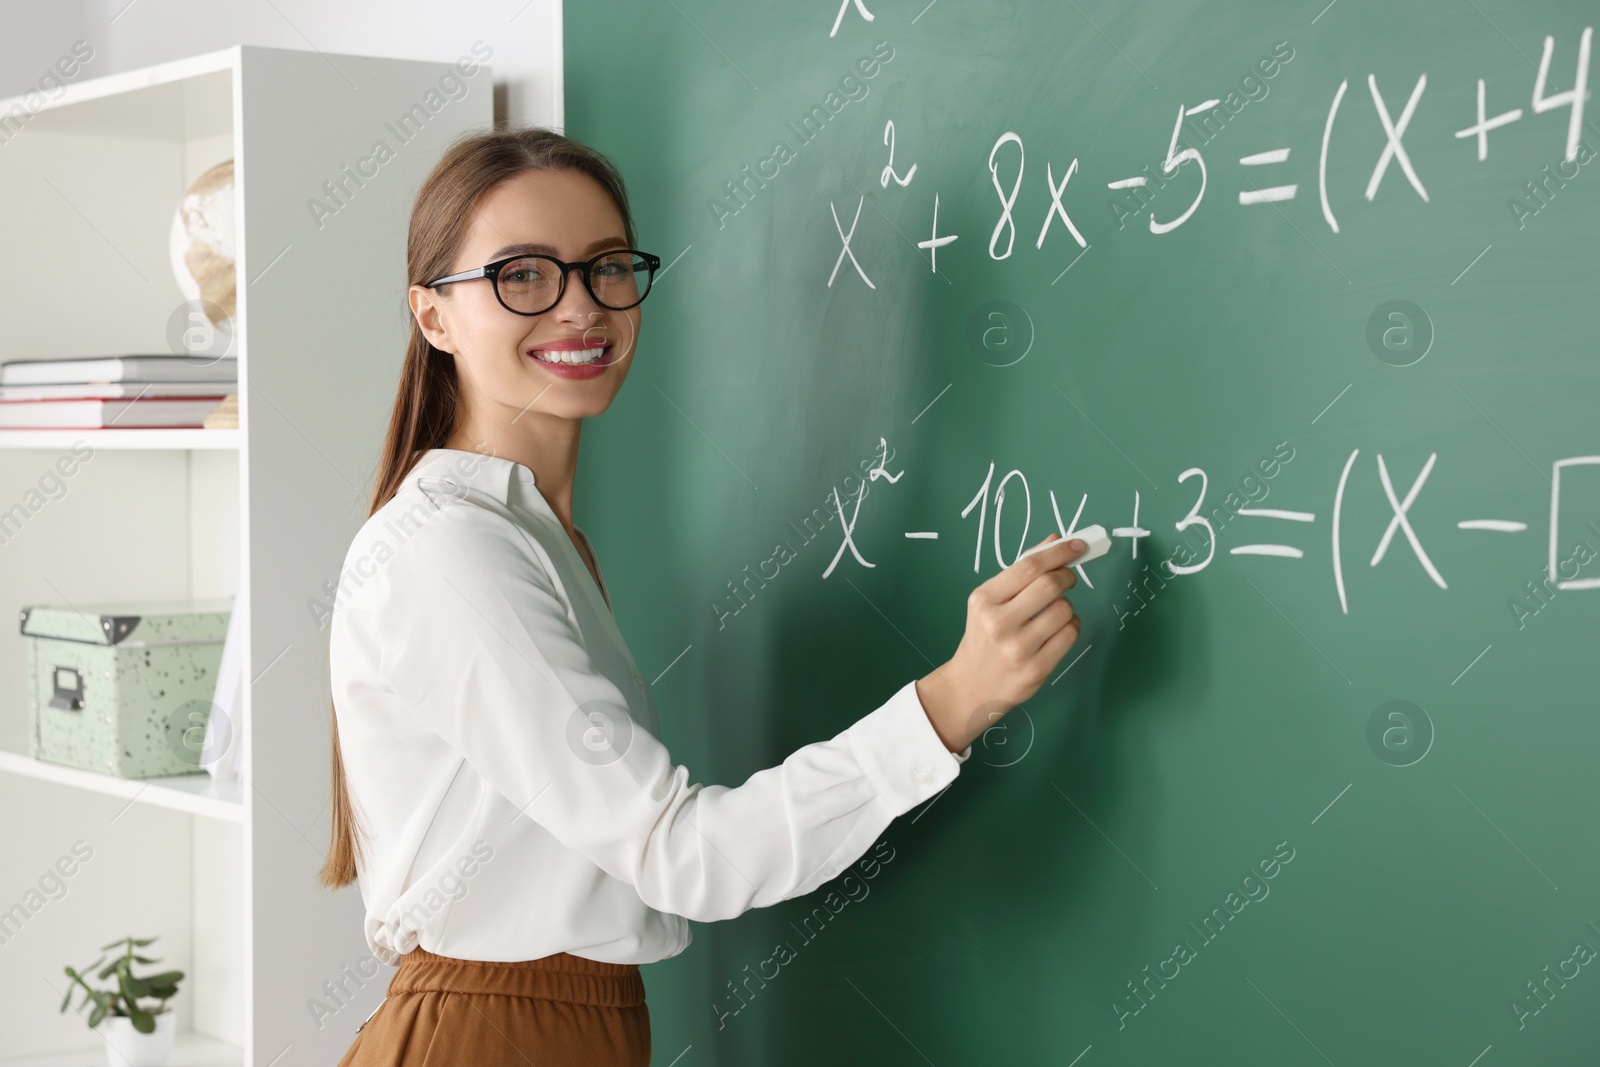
{"type": "Point", "coordinates": [522, 839]}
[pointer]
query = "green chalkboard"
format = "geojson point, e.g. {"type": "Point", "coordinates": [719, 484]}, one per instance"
{"type": "Point", "coordinates": [1329, 795]}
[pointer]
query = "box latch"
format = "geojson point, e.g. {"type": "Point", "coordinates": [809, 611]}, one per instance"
{"type": "Point", "coordinates": [68, 689]}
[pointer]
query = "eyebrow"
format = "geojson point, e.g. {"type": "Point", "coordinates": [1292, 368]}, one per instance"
{"type": "Point", "coordinates": [548, 250]}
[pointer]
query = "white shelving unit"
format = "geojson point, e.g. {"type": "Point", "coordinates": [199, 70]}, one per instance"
{"type": "Point", "coordinates": [197, 794]}
{"type": "Point", "coordinates": [224, 872]}
{"type": "Point", "coordinates": [188, 1050]}
{"type": "Point", "coordinates": [62, 440]}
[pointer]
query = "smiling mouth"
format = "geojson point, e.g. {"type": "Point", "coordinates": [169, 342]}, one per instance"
{"type": "Point", "coordinates": [572, 357]}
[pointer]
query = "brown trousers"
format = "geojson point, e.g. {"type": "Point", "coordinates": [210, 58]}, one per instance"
{"type": "Point", "coordinates": [559, 1011]}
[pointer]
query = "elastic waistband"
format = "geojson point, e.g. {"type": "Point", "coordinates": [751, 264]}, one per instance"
{"type": "Point", "coordinates": [562, 976]}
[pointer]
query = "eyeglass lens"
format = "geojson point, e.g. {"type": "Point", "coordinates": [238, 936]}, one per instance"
{"type": "Point", "coordinates": [618, 281]}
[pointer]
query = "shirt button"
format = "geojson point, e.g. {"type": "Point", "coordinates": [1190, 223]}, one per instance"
{"type": "Point", "coordinates": [923, 774]}
{"type": "Point", "coordinates": [638, 679]}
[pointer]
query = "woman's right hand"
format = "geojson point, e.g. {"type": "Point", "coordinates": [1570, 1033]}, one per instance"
{"type": "Point", "coordinates": [1019, 626]}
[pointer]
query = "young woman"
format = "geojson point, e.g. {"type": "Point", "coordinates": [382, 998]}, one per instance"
{"type": "Point", "coordinates": [522, 837]}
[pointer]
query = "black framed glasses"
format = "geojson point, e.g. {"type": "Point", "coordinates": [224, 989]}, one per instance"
{"type": "Point", "coordinates": [531, 284]}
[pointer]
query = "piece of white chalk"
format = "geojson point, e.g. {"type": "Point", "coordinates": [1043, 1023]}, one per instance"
{"type": "Point", "coordinates": [1095, 537]}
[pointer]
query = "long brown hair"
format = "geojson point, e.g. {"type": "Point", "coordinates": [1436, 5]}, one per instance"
{"type": "Point", "coordinates": [427, 404]}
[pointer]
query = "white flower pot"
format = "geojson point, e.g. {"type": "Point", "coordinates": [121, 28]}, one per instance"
{"type": "Point", "coordinates": [127, 1047]}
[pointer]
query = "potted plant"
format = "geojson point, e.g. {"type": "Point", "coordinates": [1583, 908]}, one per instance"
{"type": "Point", "coordinates": [134, 1035]}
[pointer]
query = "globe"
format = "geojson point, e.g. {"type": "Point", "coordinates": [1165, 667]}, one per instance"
{"type": "Point", "coordinates": [202, 243]}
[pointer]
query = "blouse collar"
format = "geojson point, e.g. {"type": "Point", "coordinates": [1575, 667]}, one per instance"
{"type": "Point", "coordinates": [488, 474]}
{"type": "Point", "coordinates": [452, 471]}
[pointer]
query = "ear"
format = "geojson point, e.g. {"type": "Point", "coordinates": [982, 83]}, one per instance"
{"type": "Point", "coordinates": [427, 308]}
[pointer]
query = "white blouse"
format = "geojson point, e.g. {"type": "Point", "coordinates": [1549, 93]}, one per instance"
{"type": "Point", "coordinates": [502, 753]}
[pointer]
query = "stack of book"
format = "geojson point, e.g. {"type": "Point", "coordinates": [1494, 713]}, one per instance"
{"type": "Point", "coordinates": [119, 392]}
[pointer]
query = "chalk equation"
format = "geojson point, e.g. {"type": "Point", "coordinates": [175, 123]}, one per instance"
{"type": "Point", "coordinates": [1009, 147]}
{"type": "Point", "coordinates": [1280, 544]}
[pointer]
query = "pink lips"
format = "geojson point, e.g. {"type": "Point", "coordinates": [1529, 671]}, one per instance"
{"type": "Point", "coordinates": [573, 344]}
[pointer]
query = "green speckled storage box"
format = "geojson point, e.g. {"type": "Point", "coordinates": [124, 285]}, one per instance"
{"type": "Point", "coordinates": [114, 688]}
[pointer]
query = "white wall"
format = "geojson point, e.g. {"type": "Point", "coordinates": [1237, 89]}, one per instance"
{"type": "Point", "coordinates": [33, 35]}
{"type": "Point", "coordinates": [524, 34]}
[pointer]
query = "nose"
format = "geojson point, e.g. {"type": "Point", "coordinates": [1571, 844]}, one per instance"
{"type": "Point", "coordinates": [575, 298]}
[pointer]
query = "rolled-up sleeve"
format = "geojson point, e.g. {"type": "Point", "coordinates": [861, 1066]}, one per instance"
{"type": "Point", "coordinates": [481, 645]}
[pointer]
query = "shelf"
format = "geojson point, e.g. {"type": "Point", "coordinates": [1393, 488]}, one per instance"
{"type": "Point", "coordinates": [179, 439]}
{"type": "Point", "coordinates": [130, 82]}
{"type": "Point", "coordinates": [197, 794]}
{"type": "Point", "coordinates": [188, 1050]}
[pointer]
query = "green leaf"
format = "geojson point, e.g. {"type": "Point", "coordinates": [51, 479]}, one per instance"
{"type": "Point", "coordinates": [132, 987]}
{"type": "Point", "coordinates": [114, 944]}
{"type": "Point", "coordinates": [143, 1021]}
{"type": "Point", "coordinates": [146, 959]}
{"type": "Point", "coordinates": [66, 1001]}
{"type": "Point", "coordinates": [109, 969]}
{"type": "Point", "coordinates": [95, 1016]}
{"type": "Point", "coordinates": [142, 942]}
{"type": "Point", "coordinates": [164, 978]}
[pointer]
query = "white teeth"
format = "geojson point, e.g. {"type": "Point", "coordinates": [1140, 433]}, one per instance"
{"type": "Point", "coordinates": [575, 357]}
